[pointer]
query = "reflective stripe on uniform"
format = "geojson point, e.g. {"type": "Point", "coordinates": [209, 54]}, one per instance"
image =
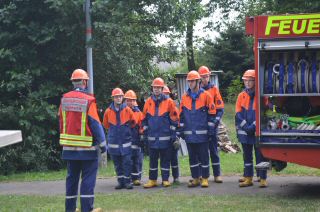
{"type": "Point", "coordinates": [113, 145]}
{"type": "Point", "coordinates": [134, 146]}
{"type": "Point", "coordinates": [117, 145]}
{"type": "Point", "coordinates": [174, 167]}
{"type": "Point", "coordinates": [248, 164]}
{"type": "Point", "coordinates": [121, 176]}
{"type": "Point", "coordinates": [201, 132]}
{"type": "Point", "coordinates": [243, 123]}
{"type": "Point", "coordinates": [181, 124]}
{"type": "Point", "coordinates": [172, 127]}
{"type": "Point", "coordinates": [218, 118]}
{"type": "Point", "coordinates": [70, 148]}
{"type": "Point", "coordinates": [215, 164]}
{"type": "Point", "coordinates": [211, 124]}
{"type": "Point", "coordinates": [254, 122]}
{"type": "Point", "coordinates": [64, 121]}
{"type": "Point", "coordinates": [194, 165]}
{"type": "Point", "coordinates": [75, 143]}
{"type": "Point", "coordinates": [83, 123]}
{"type": "Point", "coordinates": [164, 169]}
{"type": "Point", "coordinates": [241, 132]}
{"type": "Point", "coordinates": [136, 173]}
{"type": "Point", "coordinates": [205, 166]}
{"type": "Point", "coordinates": [187, 132]}
{"type": "Point", "coordinates": [86, 196]}
{"type": "Point", "coordinates": [102, 144]}
{"type": "Point", "coordinates": [164, 138]}
{"type": "Point", "coordinates": [71, 197]}
{"type": "Point", "coordinates": [145, 127]}
{"type": "Point", "coordinates": [153, 169]}
{"type": "Point", "coordinates": [126, 144]}
{"type": "Point", "coordinates": [76, 137]}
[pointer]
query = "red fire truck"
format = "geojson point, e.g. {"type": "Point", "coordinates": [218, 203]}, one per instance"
{"type": "Point", "coordinates": [287, 55]}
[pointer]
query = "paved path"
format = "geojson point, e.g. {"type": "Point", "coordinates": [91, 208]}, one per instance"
{"type": "Point", "coordinates": [297, 186]}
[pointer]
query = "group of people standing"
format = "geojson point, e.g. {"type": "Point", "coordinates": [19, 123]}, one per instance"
{"type": "Point", "coordinates": [160, 126]}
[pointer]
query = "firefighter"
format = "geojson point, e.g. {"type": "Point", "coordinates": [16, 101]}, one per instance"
{"type": "Point", "coordinates": [82, 136]}
{"type": "Point", "coordinates": [176, 145]}
{"type": "Point", "coordinates": [197, 116]}
{"type": "Point", "coordinates": [213, 141]}
{"type": "Point", "coordinates": [137, 154]}
{"type": "Point", "coordinates": [119, 120]}
{"type": "Point", "coordinates": [246, 126]}
{"type": "Point", "coordinates": [159, 125]}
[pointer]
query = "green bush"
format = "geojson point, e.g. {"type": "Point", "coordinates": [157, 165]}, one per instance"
{"type": "Point", "coordinates": [236, 86]}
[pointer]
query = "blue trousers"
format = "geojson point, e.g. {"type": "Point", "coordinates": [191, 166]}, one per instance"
{"type": "Point", "coordinates": [122, 165]}
{"type": "Point", "coordinates": [165, 155]}
{"type": "Point", "coordinates": [248, 161]}
{"type": "Point", "coordinates": [214, 155]}
{"type": "Point", "coordinates": [88, 170]}
{"type": "Point", "coordinates": [199, 156]}
{"type": "Point", "coordinates": [174, 163]}
{"type": "Point", "coordinates": [137, 160]}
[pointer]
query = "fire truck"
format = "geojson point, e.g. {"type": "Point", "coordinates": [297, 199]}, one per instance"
{"type": "Point", "coordinates": [287, 55]}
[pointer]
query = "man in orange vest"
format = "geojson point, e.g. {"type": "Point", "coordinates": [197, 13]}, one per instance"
{"type": "Point", "coordinates": [82, 136]}
{"type": "Point", "coordinates": [159, 124]}
{"type": "Point", "coordinates": [137, 154]}
{"type": "Point", "coordinates": [119, 120]}
{"type": "Point", "coordinates": [217, 100]}
{"type": "Point", "coordinates": [197, 115]}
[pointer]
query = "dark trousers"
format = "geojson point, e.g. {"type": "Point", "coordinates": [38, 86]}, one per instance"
{"type": "Point", "coordinates": [214, 155]}
{"type": "Point", "coordinates": [88, 170]}
{"type": "Point", "coordinates": [174, 163]}
{"type": "Point", "coordinates": [248, 161]}
{"type": "Point", "coordinates": [199, 159]}
{"type": "Point", "coordinates": [122, 165]}
{"type": "Point", "coordinates": [165, 155]}
{"type": "Point", "coordinates": [137, 161]}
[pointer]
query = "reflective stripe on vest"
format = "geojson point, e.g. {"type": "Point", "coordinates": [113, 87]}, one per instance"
{"type": "Point", "coordinates": [75, 105]}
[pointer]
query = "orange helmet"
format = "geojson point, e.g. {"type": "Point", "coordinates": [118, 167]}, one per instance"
{"type": "Point", "coordinates": [130, 94]}
{"type": "Point", "coordinates": [166, 90]}
{"type": "Point", "coordinates": [158, 82]}
{"type": "Point", "coordinates": [79, 74]}
{"type": "Point", "coordinates": [193, 75]}
{"type": "Point", "coordinates": [204, 70]}
{"type": "Point", "coordinates": [117, 92]}
{"type": "Point", "coordinates": [249, 73]}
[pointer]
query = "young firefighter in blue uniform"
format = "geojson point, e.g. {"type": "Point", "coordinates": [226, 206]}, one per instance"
{"type": "Point", "coordinates": [159, 125]}
{"type": "Point", "coordinates": [217, 100]}
{"type": "Point", "coordinates": [197, 115]}
{"type": "Point", "coordinates": [176, 145]}
{"type": "Point", "coordinates": [82, 136]}
{"type": "Point", "coordinates": [137, 154]}
{"type": "Point", "coordinates": [245, 121]}
{"type": "Point", "coordinates": [119, 120]}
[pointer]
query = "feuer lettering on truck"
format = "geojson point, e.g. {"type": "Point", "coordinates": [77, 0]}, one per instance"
{"type": "Point", "coordinates": [298, 24]}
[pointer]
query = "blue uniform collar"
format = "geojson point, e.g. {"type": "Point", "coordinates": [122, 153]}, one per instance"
{"type": "Point", "coordinates": [84, 90]}
{"type": "Point", "coordinates": [135, 109]}
{"type": "Point", "coordinates": [160, 98]}
{"type": "Point", "coordinates": [207, 87]}
{"type": "Point", "coordinates": [122, 106]}
{"type": "Point", "coordinates": [194, 96]}
{"type": "Point", "coordinates": [251, 93]}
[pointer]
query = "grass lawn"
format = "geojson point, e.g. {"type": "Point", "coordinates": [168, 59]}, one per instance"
{"type": "Point", "coordinates": [160, 201]}
{"type": "Point", "coordinates": [231, 164]}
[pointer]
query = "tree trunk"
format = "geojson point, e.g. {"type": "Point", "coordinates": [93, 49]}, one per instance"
{"type": "Point", "coordinates": [189, 45]}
